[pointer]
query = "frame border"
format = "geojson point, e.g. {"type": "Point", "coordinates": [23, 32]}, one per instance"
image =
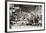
{"type": "Point", "coordinates": [24, 2]}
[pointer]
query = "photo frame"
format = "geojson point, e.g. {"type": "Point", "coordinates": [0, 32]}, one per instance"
{"type": "Point", "coordinates": [23, 16]}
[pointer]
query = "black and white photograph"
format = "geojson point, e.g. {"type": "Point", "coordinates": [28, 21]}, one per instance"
{"type": "Point", "coordinates": [23, 16]}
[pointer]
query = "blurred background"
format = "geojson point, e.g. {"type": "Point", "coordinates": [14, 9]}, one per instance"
{"type": "Point", "coordinates": [24, 15]}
